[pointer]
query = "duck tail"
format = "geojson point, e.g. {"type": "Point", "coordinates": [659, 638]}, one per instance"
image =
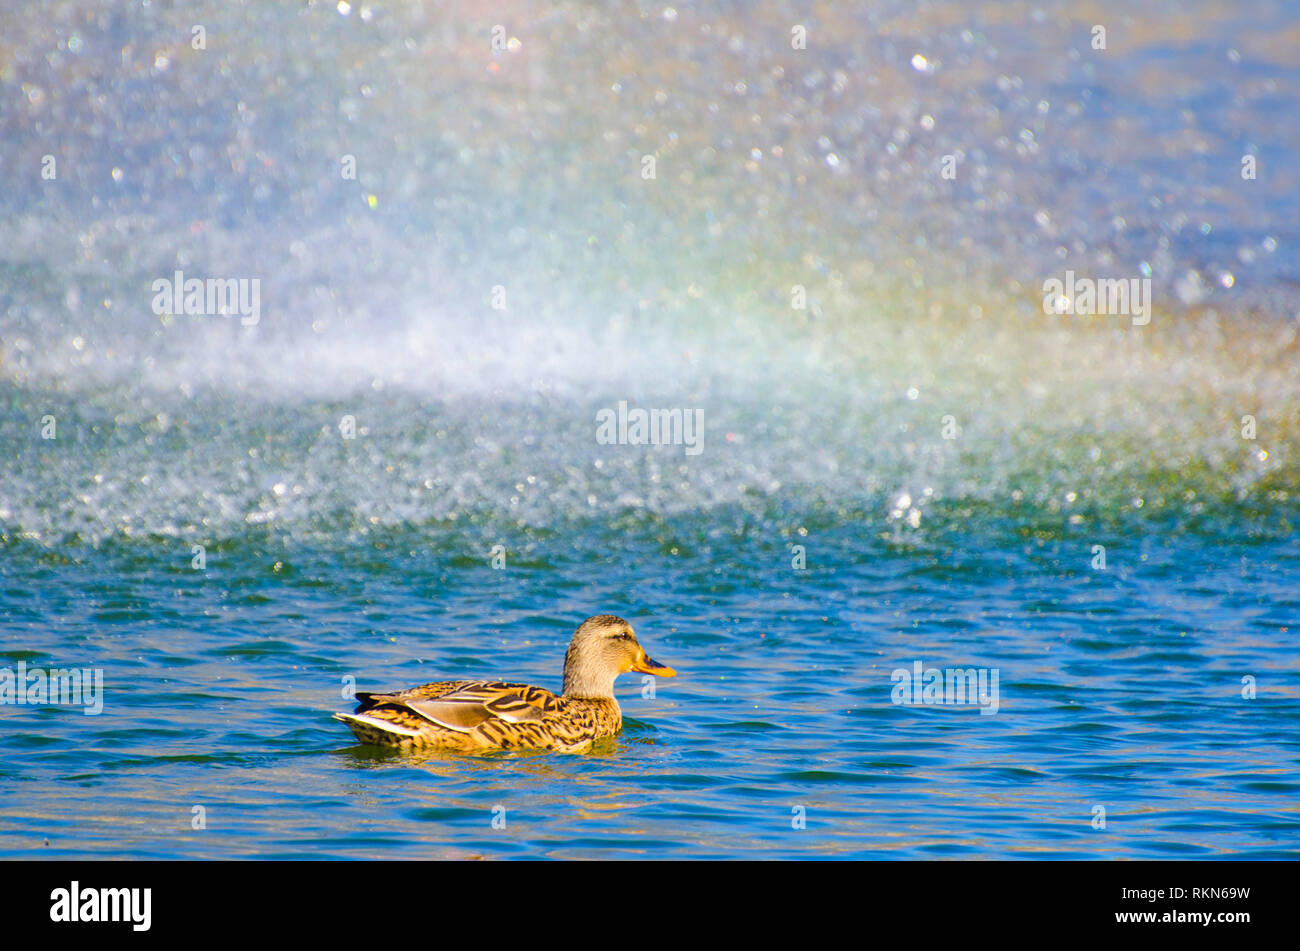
{"type": "Point", "coordinates": [375, 731]}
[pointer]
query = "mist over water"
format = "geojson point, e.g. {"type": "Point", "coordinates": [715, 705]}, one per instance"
{"type": "Point", "coordinates": [521, 170]}
{"type": "Point", "coordinates": [514, 178]}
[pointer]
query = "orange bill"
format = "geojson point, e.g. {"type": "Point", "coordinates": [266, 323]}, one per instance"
{"type": "Point", "coordinates": [645, 665]}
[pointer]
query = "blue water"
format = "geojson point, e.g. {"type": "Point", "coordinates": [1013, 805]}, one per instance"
{"type": "Point", "coordinates": [828, 533]}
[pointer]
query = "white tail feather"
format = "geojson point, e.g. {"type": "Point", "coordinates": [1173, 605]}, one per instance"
{"type": "Point", "coordinates": [383, 725]}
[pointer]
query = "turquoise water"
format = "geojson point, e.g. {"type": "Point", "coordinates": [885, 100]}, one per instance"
{"type": "Point", "coordinates": [827, 534]}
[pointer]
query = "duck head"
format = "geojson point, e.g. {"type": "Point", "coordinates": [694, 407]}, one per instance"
{"type": "Point", "coordinates": [602, 648]}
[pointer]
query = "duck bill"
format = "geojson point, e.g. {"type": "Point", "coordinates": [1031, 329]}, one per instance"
{"type": "Point", "coordinates": [646, 665]}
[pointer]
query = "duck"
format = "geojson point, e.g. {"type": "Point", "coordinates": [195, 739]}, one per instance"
{"type": "Point", "coordinates": [472, 716]}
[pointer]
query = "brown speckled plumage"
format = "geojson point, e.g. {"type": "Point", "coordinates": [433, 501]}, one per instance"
{"type": "Point", "coordinates": [481, 715]}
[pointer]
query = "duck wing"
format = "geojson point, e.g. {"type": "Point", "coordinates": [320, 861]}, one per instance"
{"type": "Point", "coordinates": [466, 705]}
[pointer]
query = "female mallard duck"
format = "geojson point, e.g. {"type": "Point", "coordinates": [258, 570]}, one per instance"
{"type": "Point", "coordinates": [477, 715]}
